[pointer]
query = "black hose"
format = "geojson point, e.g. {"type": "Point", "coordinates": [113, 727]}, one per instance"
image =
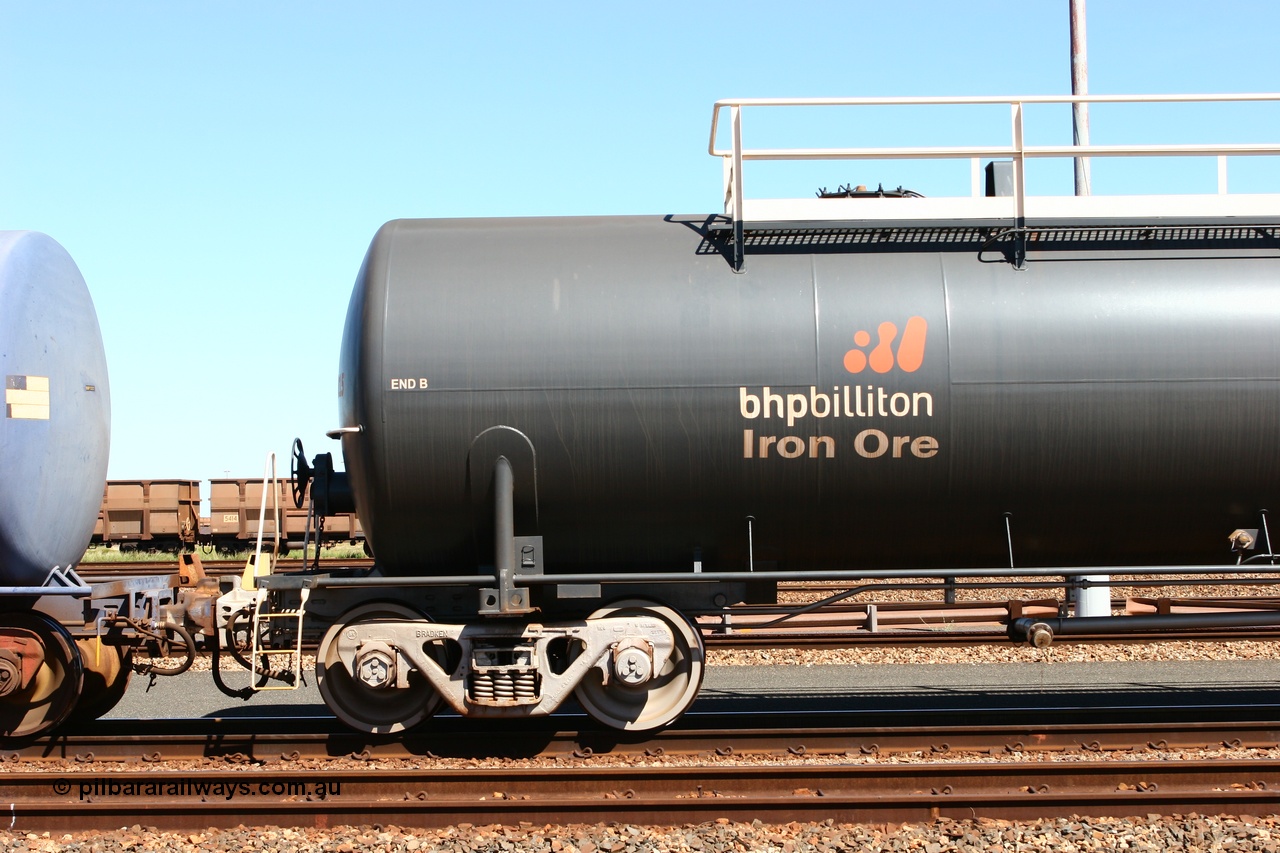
{"type": "Point", "coordinates": [188, 642]}
{"type": "Point", "coordinates": [215, 650]}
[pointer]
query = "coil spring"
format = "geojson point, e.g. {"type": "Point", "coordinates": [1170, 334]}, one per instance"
{"type": "Point", "coordinates": [493, 686]}
{"type": "Point", "coordinates": [482, 686]}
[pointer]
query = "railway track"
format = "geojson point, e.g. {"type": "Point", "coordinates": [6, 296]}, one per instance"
{"type": "Point", "coordinates": [193, 774]}
{"type": "Point", "coordinates": [649, 795]}
{"type": "Point", "coordinates": [773, 737]}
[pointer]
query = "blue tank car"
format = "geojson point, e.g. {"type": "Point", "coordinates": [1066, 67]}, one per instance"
{"type": "Point", "coordinates": [55, 433]}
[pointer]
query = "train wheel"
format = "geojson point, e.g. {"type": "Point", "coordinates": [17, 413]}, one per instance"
{"type": "Point", "coordinates": [376, 710]}
{"type": "Point", "coordinates": [663, 697]}
{"type": "Point", "coordinates": [52, 691]}
{"type": "Point", "coordinates": [106, 677]}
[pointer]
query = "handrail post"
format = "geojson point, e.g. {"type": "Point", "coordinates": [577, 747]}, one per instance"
{"type": "Point", "coordinates": [1019, 189]}
{"type": "Point", "coordinates": [739, 251]}
{"type": "Point", "coordinates": [1080, 86]}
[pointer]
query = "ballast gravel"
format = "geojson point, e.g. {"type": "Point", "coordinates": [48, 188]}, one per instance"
{"type": "Point", "coordinates": [1173, 650]}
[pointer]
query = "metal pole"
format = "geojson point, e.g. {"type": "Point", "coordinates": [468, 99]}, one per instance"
{"type": "Point", "coordinates": [1079, 86]}
{"type": "Point", "coordinates": [739, 207]}
{"type": "Point", "coordinates": [504, 525]}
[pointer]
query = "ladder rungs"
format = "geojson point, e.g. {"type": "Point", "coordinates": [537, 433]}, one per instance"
{"type": "Point", "coordinates": [262, 620]}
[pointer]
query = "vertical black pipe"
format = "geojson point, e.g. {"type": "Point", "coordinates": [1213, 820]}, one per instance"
{"type": "Point", "coordinates": [504, 522]}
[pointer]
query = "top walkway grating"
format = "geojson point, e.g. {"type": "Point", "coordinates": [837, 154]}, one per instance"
{"type": "Point", "coordinates": [1095, 218]}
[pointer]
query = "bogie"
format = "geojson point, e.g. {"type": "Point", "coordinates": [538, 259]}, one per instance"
{"type": "Point", "coordinates": [636, 665]}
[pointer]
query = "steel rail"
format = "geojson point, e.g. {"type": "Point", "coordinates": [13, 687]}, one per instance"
{"type": "Point", "coordinates": [647, 795]}
{"type": "Point", "coordinates": [777, 736]}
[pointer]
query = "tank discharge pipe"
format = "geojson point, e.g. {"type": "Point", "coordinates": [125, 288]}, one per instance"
{"type": "Point", "coordinates": [504, 521]}
{"type": "Point", "coordinates": [1041, 632]}
{"type": "Point", "coordinates": [508, 599]}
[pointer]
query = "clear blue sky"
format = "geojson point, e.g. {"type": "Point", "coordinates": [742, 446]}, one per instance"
{"type": "Point", "coordinates": [218, 169]}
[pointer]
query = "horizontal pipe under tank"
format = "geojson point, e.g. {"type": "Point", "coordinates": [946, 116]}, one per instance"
{"type": "Point", "coordinates": [1024, 628]}
{"type": "Point", "coordinates": [76, 591]}
{"type": "Point", "coordinates": [1253, 574]}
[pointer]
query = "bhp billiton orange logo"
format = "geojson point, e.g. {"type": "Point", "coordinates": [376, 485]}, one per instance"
{"type": "Point", "coordinates": [881, 359]}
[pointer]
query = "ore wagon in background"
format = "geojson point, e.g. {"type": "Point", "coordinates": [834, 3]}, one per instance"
{"type": "Point", "coordinates": [155, 515]}
{"type": "Point", "coordinates": [236, 514]}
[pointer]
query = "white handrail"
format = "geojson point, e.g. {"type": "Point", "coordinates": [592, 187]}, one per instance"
{"type": "Point", "coordinates": [269, 480]}
{"type": "Point", "coordinates": [735, 155]}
